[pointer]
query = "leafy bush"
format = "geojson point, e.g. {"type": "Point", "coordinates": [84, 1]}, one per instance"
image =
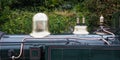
{"type": "Point", "coordinates": [19, 23]}
{"type": "Point", "coordinates": [16, 15]}
{"type": "Point", "coordinates": [60, 23]}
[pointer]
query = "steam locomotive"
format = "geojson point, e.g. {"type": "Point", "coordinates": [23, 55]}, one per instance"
{"type": "Point", "coordinates": [40, 45]}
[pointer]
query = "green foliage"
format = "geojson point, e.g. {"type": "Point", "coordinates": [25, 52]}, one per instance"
{"type": "Point", "coordinates": [101, 7]}
{"type": "Point", "coordinates": [61, 24]}
{"type": "Point", "coordinates": [116, 22]}
{"type": "Point", "coordinates": [19, 23]}
{"type": "Point", "coordinates": [93, 23]}
{"type": "Point", "coordinates": [4, 15]}
{"type": "Point", "coordinates": [16, 15]}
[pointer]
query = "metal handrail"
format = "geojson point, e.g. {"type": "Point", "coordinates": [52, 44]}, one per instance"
{"type": "Point", "coordinates": [22, 45]}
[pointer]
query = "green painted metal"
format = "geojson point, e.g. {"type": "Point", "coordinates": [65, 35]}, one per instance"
{"type": "Point", "coordinates": [70, 52]}
{"type": "Point", "coordinates": [82, 53]}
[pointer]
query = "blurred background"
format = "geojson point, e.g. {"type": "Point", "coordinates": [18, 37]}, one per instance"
{"type": "Point", "coordinates": [16, 15]}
